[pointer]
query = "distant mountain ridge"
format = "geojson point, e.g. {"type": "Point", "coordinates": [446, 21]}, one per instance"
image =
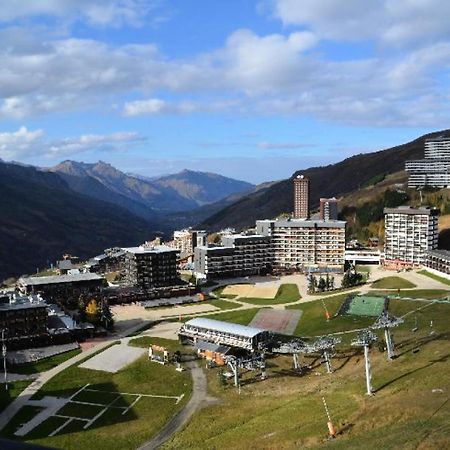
{"type": "Point", "coordinates": [183, 191]}
{"type": "Point", "coordinates": [41, 218]}
{"type": "Point", "coordinates": [326, 181]}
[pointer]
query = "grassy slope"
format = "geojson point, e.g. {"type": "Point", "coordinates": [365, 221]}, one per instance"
{"type": "Point", "coordinates": [414, 293]}
{"type": "Point", "coordinates": [223, 304]}
{"type": "Point", "coordinates": [435, 277]}
{"type": "Point", "coordinates": [287, 293]}
{"type": "Point", "coordinates": [393, 283]}
{"type": "Point", "coordinates": [286, 410]}
{"type": "Point", "coordinates": [14, 389]}
{"type": "Point", "coordinates": [113, 430]}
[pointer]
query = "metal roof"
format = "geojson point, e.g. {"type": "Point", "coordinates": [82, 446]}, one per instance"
{"type": "Point", "coordinates": [202, 345]}
{"type": "Point", "coordinates": [36, 281]}
{"type": "Point", "coordinates": [144, 250]}
{"type": "Point", "coordinates": [225, 327]}
{"type": "Point", "coordinates": [309, 223]}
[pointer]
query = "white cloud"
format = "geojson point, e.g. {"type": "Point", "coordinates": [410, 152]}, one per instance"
{"type": "Point", "coordinates": [154, 106]}
{"type": "Point", "coordinates": [95, 12]}
{"type": "Point", "coordinates": [250, 74]}
{"type": "Point", "coordinates": [25, 144]}
{"type": "Point", "coordinates": [16, 143]}
{"type": "Point", "coordinates": [392, 22]}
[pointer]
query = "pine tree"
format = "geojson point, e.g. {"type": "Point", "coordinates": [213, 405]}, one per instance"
{"type": "Point", "coordinates": [106, 317]}
{"type": "Point", "coordinates": [322, 284]}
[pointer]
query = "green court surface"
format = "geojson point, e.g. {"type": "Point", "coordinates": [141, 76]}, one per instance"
{"type": "Point", "coordinates": [365, 305]}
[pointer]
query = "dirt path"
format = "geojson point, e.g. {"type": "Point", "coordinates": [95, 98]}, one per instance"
{"type": "Point", "coordinates": [198, 399]}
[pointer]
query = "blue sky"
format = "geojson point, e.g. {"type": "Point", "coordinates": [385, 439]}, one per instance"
{"type": "Point", "coordinates": [249, 89]}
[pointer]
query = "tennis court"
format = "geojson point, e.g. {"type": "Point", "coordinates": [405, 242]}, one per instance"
{"type": "Point", "coordinates": [365, 305]}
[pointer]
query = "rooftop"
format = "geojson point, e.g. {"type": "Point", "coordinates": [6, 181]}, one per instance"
{"type": "Point", "coordinates": [304, 223]}
{"type": "Point", "coordinates": [224, 327]}
{"type": "Point", "coordinates": [406, 209]}
{"type": "Point", "coordinates": [145, 250]}
{"type": "Point", "coordinates": [54, 279]}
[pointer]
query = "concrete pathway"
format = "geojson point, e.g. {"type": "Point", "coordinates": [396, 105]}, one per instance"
{"type": "Point", "coordinates": [24, 397]}
{"type": "Point", "coordinates": [198, 400]}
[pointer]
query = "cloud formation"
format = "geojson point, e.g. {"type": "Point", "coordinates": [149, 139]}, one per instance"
{"type": "Point", "coordinates": [279, 73]}
{"type": "Point", "coordinates": [98, 12]}
{"type": "Point", "coordinates": [26, 144]}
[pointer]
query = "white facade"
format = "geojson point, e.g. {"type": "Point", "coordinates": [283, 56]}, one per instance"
{"type": "Point", "coordinates": [434, 170]}
{"type": "Point", "coordinates": [409, 234]}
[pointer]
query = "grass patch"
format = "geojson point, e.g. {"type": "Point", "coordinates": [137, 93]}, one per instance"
{"type": "Point", "coordinates": [113, 430]}
{"type": "Point", "coordinates": [393, 283]}
{"type": "Point", "coordinates": [242, 317]}
{"type": "Point", "coordinates": [44, 364]}
{"type": "Point", "coordinates": [146, 341]}
{"type": "Point", "coordinates": [404, 413]}
{"type": "Point", "coordinates": [14, 389]}
{"type": "Point", "coordinates": [431, 294]}
{"type": "Point", "coordinates": [313, 321]}
{"type": "Point", "coordinates": [435, 277]}
{"type": "Point", "coordinates": [81, 411]}
{"type": "Point", "coordinates": [287, 293]}
{"type": "Point", "coordinates": [223, 304]}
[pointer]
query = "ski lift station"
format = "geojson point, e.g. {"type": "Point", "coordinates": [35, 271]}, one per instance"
{"type": "Point", "coordinates": [224, 333]}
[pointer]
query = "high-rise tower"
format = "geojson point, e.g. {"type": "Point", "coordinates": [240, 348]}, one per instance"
{"type": "Point", "coordinates": [301, 197]}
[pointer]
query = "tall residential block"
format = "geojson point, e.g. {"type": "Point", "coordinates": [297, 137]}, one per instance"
{"type": "Point", "coordinates": [328, 209]}
{"type": "Point", "coordinates": [434, 169]}
{"type": "Point", "coordinates": [301, 197]}
{"type": "Point", "coordinates": [306, 245]}
{"type": "Point", "coordinates": [409, 234]}
{"type": "Point", "coordinates": [150, 267]}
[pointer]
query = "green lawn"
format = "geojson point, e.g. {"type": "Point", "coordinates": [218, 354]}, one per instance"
{"type": "Point", "coordinates": [287, 293]}
{"type": "Point", "coordinates": [434, 277]}
{"type": "Point", "coordinates": [393, 283]}
{"type": "Point", "coordinates": [286, 411]}
{"type": "Point", "coordinates": [313, 321]}
{"type": "Point", "coordinates": [112, 430]}
{"type": "Point", "coordinates": [223, 304]}
{"type": "Point", "coordinates": [14, 389]}
{"type": "Point", "coordinates": [44, 364]}
{"type": "Point", "coordinates": [415, 293]}
{"type": "Point", "coordinates": [243, 317]}
{"type": "Point", "coordinates": [146, 341]}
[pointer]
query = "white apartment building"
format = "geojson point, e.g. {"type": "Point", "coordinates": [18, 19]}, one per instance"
{"type": "Point", "coordinates": [409, 234]}
{"type": "Point", "coordinates": [307, 245]}
{"type": "Point", "coordinates": [434, 169]}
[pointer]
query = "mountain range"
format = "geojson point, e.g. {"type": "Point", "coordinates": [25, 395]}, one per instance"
{"type": "Point", "coordinates": [82, 209]}
{"type": "Point", "coordinates": [148, 197]}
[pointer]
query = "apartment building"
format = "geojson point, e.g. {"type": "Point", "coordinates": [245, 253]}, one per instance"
{"type": "Point", "coordinates": [186, 240]}
{"type": "Point", "coordinates": [409, 234]}
{"type": "Point", "coordinates": [301, 197]}
{"type": "Point", "coordinates": [150, 267]}
{"type": "Point", "coordinates": [328, 209]}
{"type": "Point", "coordinates": [434, 169]}
{"type": "Point", "coordinates": [438, 261]}
{"type": "Point", "coordinates": [239, 255]}
{"type": "Point", "coordinates": [23, 316]}
{"type": "Point", "coordinates": [306, 245]}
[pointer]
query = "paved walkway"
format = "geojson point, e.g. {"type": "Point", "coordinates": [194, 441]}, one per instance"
{"type": "Point", "coordinates": [23, 398]}
{"type": "Point", "coordinates": [198, 400]}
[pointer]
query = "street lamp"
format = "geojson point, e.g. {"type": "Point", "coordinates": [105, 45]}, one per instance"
{"type": "Point", "coordinates": [4, 357]}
